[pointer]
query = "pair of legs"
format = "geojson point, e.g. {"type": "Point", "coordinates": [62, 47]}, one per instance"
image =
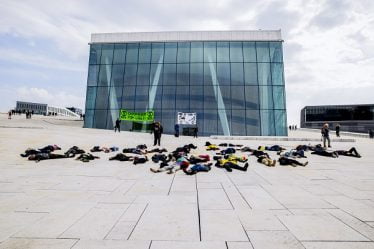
{"type": "Point", "coordinates": [351, 152]}
{"type": "Point", "coordinates": [157, 139]}
{"type": "Point", "coordinates": [328, 141]}
{"type": "Point", "coordinates": [326, 153]}
{"type": "Point", "coordinates": [169, 168]}
{"type": "Point", "coordinates": [266, 161]}
{"type": "Point", "coordinates": [117, 128]}
{"type": "Point", "coordinates": [121, 157]}
{"type": "Point", "coordinates": [198, 168]}
{"type": "Point", "coordinates": [288, 161]}
{"type": "Point", "coordinates": [231, 165]}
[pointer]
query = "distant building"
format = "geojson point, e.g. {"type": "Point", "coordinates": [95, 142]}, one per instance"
{"type": "Point", "coordinates": [352, 118]}
{"type": "Point", "coordinates": [44, 109]}
{"type": "Point", "coordinates": [75, 110]}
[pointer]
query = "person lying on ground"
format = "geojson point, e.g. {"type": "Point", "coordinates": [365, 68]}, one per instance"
{"type": "Point", "coordinates": [74, 151]}
{"type": "Point", "coordinates": [186, 148]}
{"type": "Point", "coordinates": [141, 147]}
{"type": "Point", "coordinates": [246, 149]}
{"type": "Point", "coordinates": [134, 151]}
{"type": "Point", "coordinates": [264, 158]}
{"type": "Point", "coordinates": [171, 167]}
{"type": "Point", "coordinates": [46, 149]}
{"type": "Point", "coordinates": [230, 164]}
{"type": "Point", "coordinates": [195, 168]}
{"type": "Point", "coordinates": [44, 156]}
{"type": "Point", "coordinates": [305, 147]}
{"type": "Point", "coordinates": [140, 159]}
{"type": "Point", "coordinates": [227, 151]}
{"type": "Point", "coordinates": [230, 145]}
{"type": "Point", "coordinates": [293, 153]}
{"type": "Point", "coordinates": [352, 152]}
{"type": "Point", "coordinates": [104, 149]}
{"type": "Point", "coordinates": [233, 157]}
{"type": "Point", "coordinates": [122, 157]}
{"type": "Point", "coordinates": [157, 150]}
{"type": "Point", "coordinates": [86, 157]}
{"type": "Point", "coordinates": [284, 161]}
{"type": "Point", "coordinates": [159, 157]}
{"type": "Point", "coordinates": [199, 159]}
{"type": "Point", "coordinates": [323, 152]}
{"type": "Point", "coordinates": [274, 148]}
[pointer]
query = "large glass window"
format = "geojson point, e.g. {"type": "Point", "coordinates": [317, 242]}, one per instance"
{"type": "Point", "coordinates": [209, 97]}
{"type": "Point", "coordinates": [182, 98]}
{"type": "Point", "coordinates": [128, 99]}
{"type": "Point", "coordinates": [183, 74]}
{"type": "Point", "coordinates": [276, 52]}
{"type": "Point", "coordinates": [132, 53]}
{"type": "Point", "coordinates": [196, 73]}
{"type": "Point", "coordinates": [277, 73]}
{"type": "Point", "coordinates": [157, 52]}
{"type": "Point", "coordinates": [115, 97]}
{"type": "Point", "coordinates": [210, 122]}
{"type": "Point", "coordinates": [105, 74]}
{"type": "Point", "coordinates": [210, 52]}
{"type": "Point", "coordinates": [237, 97]}
{"type": "Point", "coordinates": [236, 52]}
{"type": "Point", "coordinates": [168, 97]}
{"type": "Point", "coordinates": [143, 74]}
{"type": "Point", "coordinates": [95, 52]}
{"type": "Point", "coordinates": [223, 52]}
{"type": "Point", "coordinates": [102, 100]}
{"type": "Point", "coordinates": [100, 119]}
{"type": "Point", "coordinates": [249, 51]}
{"type": "Point", "coordinates": [183, 52]}
{"type": "Point", "coordinates": [264, 75]}
{"type": "Point", "coordinates": [91, 97]}
{"type": "Point", "coordinates": [130, 74]}
{"type": "Point", "coordinates": [170, 76]}
{"type": "Point", "coordinates": [238, 122]}
{"type": "Point", "coordinates": [117, 75]}
{"type": "Point", "coordinates": [250, 73]}
{"type": "Point", "coordinates": [278, 94]}
{"type": "Point", "coordinates": [119, 55]}
{"type": "Point", "coordinates": [93, 73]}
{"type": "Point", "coordinates": [170, 52]}
{"type": "Point", "coordinates": [267, 123]}
{"type": "Point", "coordinates": [237, 77]}
{"type": "Point", "coordinates": [145, 53]}
{"type": "Point", "coordinates": [197, 52]}
{"type": "Point", "coordinates": [197, 97]}
{"type": "Point", "coordinates": [266, 97]}
{"type": "Point", "coordinates": [107, 54]}
{"type": "Point", "coordinates": [262, 51]}
{"type": "Point", "coordinates": [141, 98]}
{"type": "Point", "coordinates": [223, 73]}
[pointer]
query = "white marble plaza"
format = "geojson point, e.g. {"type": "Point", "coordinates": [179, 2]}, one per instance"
{"type": "Point", "coordinates": [66, 203]}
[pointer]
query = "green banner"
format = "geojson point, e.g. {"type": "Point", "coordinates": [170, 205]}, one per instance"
{"type": "Point", "coordinates": [137, 116]}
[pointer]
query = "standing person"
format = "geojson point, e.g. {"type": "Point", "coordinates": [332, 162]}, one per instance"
{"type": "Point", "coordinates": [195, 130]}
{"type": "Point", "coordinates": [9, 115]}
{"type": "Point", "coordinates": [289, 127]}
{"type": "Point", "coordinates": [325, 135]}
{"type": "Point", "coordinates": [176, 129]}
{"type": "Point", "coordinates": [117, 126]}
{"type": "Point", "coordinates": [337, 130]}
{"type": "Point", "coordinates": [157, 131]}
{"type": "Point", "coordinates": [371, 133]}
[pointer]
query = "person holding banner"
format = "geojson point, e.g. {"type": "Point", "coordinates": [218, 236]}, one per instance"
{"type": "Point", "coordinates": [157, 131]}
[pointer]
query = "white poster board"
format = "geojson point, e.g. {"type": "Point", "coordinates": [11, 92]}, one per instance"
{"type": "Point", "coordinates": [186, 118]}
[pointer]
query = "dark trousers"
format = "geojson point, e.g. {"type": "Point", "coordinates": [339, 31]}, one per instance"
{"type": "Point", "coordinates": [289, 161]}
{"type": "Point", "coordinates": [234, 166]}
{"type": "Point", "coordinates": [117, 128]}
{"type": "Point", "coordinates": [157, 139]}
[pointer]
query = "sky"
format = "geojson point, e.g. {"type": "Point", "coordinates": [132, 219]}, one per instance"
{"type": "Point", "coordinates": [328, 44]}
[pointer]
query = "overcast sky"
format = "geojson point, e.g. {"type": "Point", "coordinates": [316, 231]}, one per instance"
{"type": "Point", "coordinates": [328, 48]}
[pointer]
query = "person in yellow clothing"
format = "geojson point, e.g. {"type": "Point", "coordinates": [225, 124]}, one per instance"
{"type": "Point", "coordinates": [231, 163]}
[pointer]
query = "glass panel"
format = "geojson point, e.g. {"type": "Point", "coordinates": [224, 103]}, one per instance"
{"type": "Point", "coordinates": [278, 92]}
{"type": "Point", "coordinates": [262, 51]}
{"type": "Point", "coordinates": [209, 71]}
{"type": "Point", "coordinates": [267, 123]}
{"type": "Point", "coordinates": [157, 52]}
{"type": "Point", "coordinates": [196, 97]}
{"type": "Point", "coordinates": [253, 123]}
{"type": "Point", "coordinates": [91, 97]}
{"type": "Point", "coordinates": [251, 97]}
{"type": "Point", "coordinates": [236, 52]}
{"type": "Point", "coordinates": [119, 54]}
{"type": "Point", "coordinates": [168, 121]}
{"type": "Point", "coordinates": [264, 76]}
{"type": "Point", "coordinates": [170, 76]}
{"type": "Point", "coordinates": [197, 52]}
{"type": "Point", "coordinates": [170, 52]}
{"type": "Point", "coordinates": [132, 53]}
{"type": "Point", "coordinates": [141, 97]}
{"type": "Point", "coordinates": [100, 119]}
{"type": "Point", "coordinates": [115, 97]}
{"type": "Point", "coordinates": [102, 98]}
{"type": "Point", "coordinates": [223, 52]}
{"type": "Point", "coordinates": [95, 52]}
{"type": "Point", "coordinates": [130, 74]}
{"type": "Point", "coordinates": [107, 54]}
{"type": "Point", "coordinates": [183, 52]}
{"type": "Point", "coordinates": [277, 73]}
{"type": "Point", "coordinates": [183, 74]}
{"type": "Point", "coordinates": [117, 75]}
{"type": "Point", "coordinates": [128, 98]}
{"type": "Point", "coordinates": [168, 97]}
{"type": "Point", "coordinates": [238, 123]}
{"type": "Point", "coordinates": [237, 97]}
{"type": "Point", "coordinates": [113, 114]}
{"type": "Point", "coordinates": [88, 119]}
{"type": "Point", "coordinates": [143, 74]}
{"type": "Point", "coordinates": [196, 73]}
{"type": "Point", "coordinates": [93, 73]}
{"type": "Point", "coordinates": [226, 95]}
{"type": "Point", "coordinates": [266, 97]}
{"type": "Point", "coordinates": [210, 122]}
{"type": "Point", "coordinates": [219, 125]}
{"type": "Point", "coordinates": [209, 97]}
{"type": "Point", "coordinates": [280, 123]}
{"type": "Point", "coordinates": [223, 73]}
{"type": "Point", "coordinates": [182, 98]}
{"type": "Point", "coordinates": [276, 52]}
{"type": "Point", "coordinates": [237, 77]}
{"type": "Point", "coordinates": [250, 73]}
{"type": "Point", "coordinates": [158, 98]}
{"type": "Point", "coordinates": [145, 53]}
{"type": "Point", "coordinates": [209, 52]}
{"type": "Point", "coordinates": [249, 51]}
{"type": "Point", "coordinates": [104, 75]}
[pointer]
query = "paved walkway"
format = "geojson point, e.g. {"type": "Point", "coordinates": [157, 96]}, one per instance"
{"type": "Point", "coordinates": [104, 204]}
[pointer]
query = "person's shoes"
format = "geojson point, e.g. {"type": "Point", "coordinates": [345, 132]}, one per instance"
{"type": "Point", "coordinates": [153, 170]}
{"type": "Point", "coordinates": [329, 146]}
{"type": "Point", "coordinates": [358, 155]}
{"type": "Point", "coordinates": [273, 163]}
{"type": "Point", "coordinates": [305, 164]}
{"type": "Point", "coordinates": [293, 165]}
{"type": "Point", "coordinates": [246, 166]}
{"type": "Point", "coordinates": [335, 154]}
{"type": "Point", "coordinates": [228, 169]}
{"type": "Point", "coordinates": [170, 172]}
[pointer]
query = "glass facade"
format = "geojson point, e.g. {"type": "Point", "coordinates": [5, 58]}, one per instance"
{"type": "Point", "coordinates": [236, 88]}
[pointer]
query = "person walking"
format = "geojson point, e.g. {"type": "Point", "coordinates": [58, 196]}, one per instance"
{"type": "Point", "coordinates": [195, 131]}
{"type": "Point", "coordinates": [9, 115]}
{"type": "Point", "coordinates": [157, 131]}
{"type": "Point", "coordinates": [337, 130]}
{"type": "Point", "coordinates": [117, 126]}
{"type": "Point", "coordinates": [325, 135]}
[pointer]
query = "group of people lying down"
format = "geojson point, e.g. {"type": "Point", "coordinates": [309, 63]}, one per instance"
{"type": "Point", "coordinates": [226, 156]}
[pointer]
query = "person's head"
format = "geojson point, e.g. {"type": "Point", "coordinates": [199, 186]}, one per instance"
{"type": "Point", "coordinates": [55, 147]}
{"type": "Point", "coordinates": [326, 125]}
{"type": "Point", "coordinates": [32, 157]}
